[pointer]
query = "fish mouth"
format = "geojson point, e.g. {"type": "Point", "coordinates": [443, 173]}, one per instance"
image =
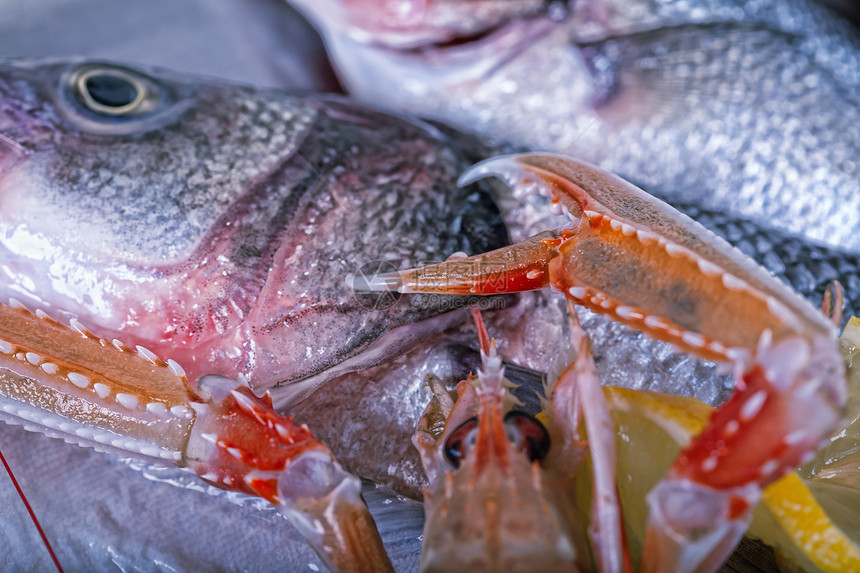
{"type": "Point", "coordinates": [460, 41]}
{"type": "Point", "coordinates": [501, 42]}
{"type": "Point", "coordinates": [420, 39]}
{"type": "Point", "coordinates": [11, 155]}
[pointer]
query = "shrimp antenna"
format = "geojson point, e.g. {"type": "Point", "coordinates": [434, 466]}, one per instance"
{"type": "Point", "coordinates": [483, 335]}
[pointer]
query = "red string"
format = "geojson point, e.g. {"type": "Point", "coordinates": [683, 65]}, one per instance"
{"type": "Point", "coordinates": [30, 511]}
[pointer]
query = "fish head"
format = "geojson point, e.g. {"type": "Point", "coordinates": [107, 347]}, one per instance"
{"type": "Point", "coordinates": [46, 98]}
{"type": "Point", "coordinates": [214, 223]}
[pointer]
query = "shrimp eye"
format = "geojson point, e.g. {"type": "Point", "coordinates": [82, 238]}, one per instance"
{"type": "Point", "coordinates": [113, 91]}
{"type": "Point", "coordinates": [527, 435]}
{"type": "Point", "coordinates": [460, 441]}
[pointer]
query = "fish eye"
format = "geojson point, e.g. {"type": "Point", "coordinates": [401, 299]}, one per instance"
{"type": "Point", "coordinates": [113, 91]}
{"type": "Point", "coordinates": [527, 435]}
{"type": "Point", "coordinates": [460, 441]}
{"type": "Point", "coordinates": [110, 91]}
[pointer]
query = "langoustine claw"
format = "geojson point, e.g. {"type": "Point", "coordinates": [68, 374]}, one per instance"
{"type": "Point", "coordinates": [71, 384]}
{"type": "Point", "coordinates": [634, 258]}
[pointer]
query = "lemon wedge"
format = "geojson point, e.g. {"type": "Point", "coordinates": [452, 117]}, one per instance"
{"type": "Point", "coordinates": [652, 428]}
{"type": "Point", "coordinates": [790, 519]}
{"type": "Point", "coordinates": [811, 518]}
{"type": "Point", "coordinates": [813, 524]}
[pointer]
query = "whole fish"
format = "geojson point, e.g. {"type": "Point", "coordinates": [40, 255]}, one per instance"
{"type": "Point", "coordinates": [748, 107]}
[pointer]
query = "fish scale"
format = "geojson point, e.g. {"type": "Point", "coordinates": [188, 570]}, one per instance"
{"type": "Point", "coordinates": [759, 166]}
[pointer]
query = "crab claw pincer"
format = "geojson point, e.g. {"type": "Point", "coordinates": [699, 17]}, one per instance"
{"type": "Point", "coordinates": [631, 256]}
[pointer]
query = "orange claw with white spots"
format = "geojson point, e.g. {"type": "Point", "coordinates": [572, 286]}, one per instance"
{"type": "Point", "coordinates": [66, 382]}
{"type": "Point", "coordinates": [631, 256]}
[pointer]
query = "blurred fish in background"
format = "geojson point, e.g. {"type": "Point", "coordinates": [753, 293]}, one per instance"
{"type": "Point", "coordinates": [750, 106]}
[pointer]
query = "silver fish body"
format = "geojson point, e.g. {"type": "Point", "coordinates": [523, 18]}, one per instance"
{"type": "Point", "coordinates": [748, 107]}
{"type": "Point", "coordinates": [213, 224]}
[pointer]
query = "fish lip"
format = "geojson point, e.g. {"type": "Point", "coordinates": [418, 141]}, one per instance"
{"type": "Point", "coordinates": [504, 41]}
{"type": "Point", "coordinates": [12, 154]}
{"type": "Point", "coordinates": [444, 42]}
{"type": "Point", "coordinates": [421, 36]}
